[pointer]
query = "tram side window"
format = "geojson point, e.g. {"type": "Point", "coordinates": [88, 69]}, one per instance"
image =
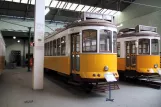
{"type": "Point", "coordinates": [45, 49]}
{"type": "Point", "coordinates": [114, 42]}
{"type": "Point", "coordinates": [144, 46]}
{"type": "Point", "coordinates": [118, 49]}
{"type": "Point", "coordinates": [51, 48]}
{"type": "Point", "coordinates": [63, 45]}
{"type": "Point", "coordinates": [58, 47]}
{"type": "Point", "coordinates": [105, 41]}
{"type": "Point", "coordinates": [48, 48]}
{"type": "Point", "coordinates": [54, 48]}
{"type": "Point", "coordinates": [89, 40]}
{"type": "Point", "coordinates": [155, 47]}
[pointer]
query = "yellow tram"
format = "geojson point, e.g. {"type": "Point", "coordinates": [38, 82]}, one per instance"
{"type": "Point", "coordinates": [84, 50]}
{"type": "Point", "coordinates": [138, 51]}
{"type": "Point", "coordinates": [2, 54]}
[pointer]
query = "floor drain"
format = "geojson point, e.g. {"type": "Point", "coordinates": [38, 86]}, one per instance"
{"type": "Point", "coordinates": [29, 101]}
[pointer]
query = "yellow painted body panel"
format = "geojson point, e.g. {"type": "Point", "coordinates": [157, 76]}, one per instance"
{"type": "Point", "coordinates": [121, 64]}
{"type": "Point", "coordinates": [94, 64]}
{"type": "Point", "coordinates": [61, 64]}
{"type": "Point", "coordinates": [145, 62]}
{"type": "Point", "coordinates": [89, 64]}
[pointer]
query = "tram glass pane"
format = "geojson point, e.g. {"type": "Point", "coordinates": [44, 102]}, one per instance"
{"type": "Point", "coordinates": [144, 46]}
{"type": "Point", "coordinates": [118, 49]}
{"type": "Point", "coordinates": [77, 43]}
{"type": "Point", "coordinates": [54, 48]}
{"type": "Point", "coordinates": [114, 42]}
{"type": "Point", "coordinates": [89, 40]}
{"type": "Point", "coordinates": [155, 47]}
{"type": "Point", "coordinates": [105, 41]}
{"type": "Point", "coordinates": [63, 45]}
{"type": "Point", "coordinates": [51, 48]}
{"type": "Point", "coordinates": [58, 47]}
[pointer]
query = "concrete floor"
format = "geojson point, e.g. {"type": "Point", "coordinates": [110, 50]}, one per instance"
{"type": "Point", "coordinates": [16, 91]}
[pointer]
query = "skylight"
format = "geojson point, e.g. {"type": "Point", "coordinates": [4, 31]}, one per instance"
{"type": "Point", "coordinates": [108, 11]}
{"type": "Point", "coordinates": [68, 5]}
{"type": "Point", "coordinates": [54, 3]}
{"type": "Point", "coordinates": [90, 9]}
{"type": "Point", "coordinates": [79, 8]}
{"type": "Point", "coordinates": [103, 11]}
{"type": "Point", "coordinates": [73, 7]}
{"type": "Point", "coordinates": [8, 0]}
{"type": "Point", "coordinates": [33, 2]}
{"type": "Point", "coordinates": [85, 8]}
{"type": "Point", "coordinates": [47, 2]}
{"type": "Point", "coordinates": [59, 3]}
{"type": "Point", "coordinates": [112, 12]}
{"type": "Point", "coordinates": [24, 1]}
{"type": "Point", "coordinates": [62, 5]}
{"type": "Point", "coordinates": [97, 10]}
{"type": "Point", "coordinates": [18, 1]}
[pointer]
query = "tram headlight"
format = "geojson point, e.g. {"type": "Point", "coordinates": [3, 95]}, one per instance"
{"type": "Point", "coordinates": [106, 68]}
{"type": "Point", "coordinates": [155, 65]}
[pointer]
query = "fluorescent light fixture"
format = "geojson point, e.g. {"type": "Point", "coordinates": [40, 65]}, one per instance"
{"type": "Point", "coordinates": [54, 4]}
{"type": "Point", "coordinates": [108, 11]}
{"type": "Point", "coordinates": [47, 2]}
{"type": "Point", "coordinates": [47, 11]}
{"type": "Point", "coordinates": [59, 3]}
{"type": "Point", "coordinates": [85, 8]}
{"type": "Point", "coordinates": [24, 1]}
{"type": "Point", "coordinates": [104, 10]}
{"type": "Point", "coordinates": [79, 8]}
{"type": "Point", "coordinates": [62, 5]}
{"type": "Point", "coordinates": [8, 0]}
{"type": "Point", "coordinates": [18, 1]}
{"type": "Point", "coordinates": [73, 6]}
{"type": "Point", "coordinates": [120, 25]}
{"type": "Point", "coordinates": [14, 37]}
{"type": "Point", "coordinates": [112, 12]}
{"type": "Point", "coordinates": [90, 9]}
{"type": "Point", "coordinates": [68, 5]}
{"type": "Point", "coordinates": [33, 2]}
{"type": "Point", "coordinates": [18, 41]}
{"type": "Point", "coordinates": [97, 10]}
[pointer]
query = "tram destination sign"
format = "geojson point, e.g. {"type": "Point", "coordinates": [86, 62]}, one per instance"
{"type": "Point", "coordinates": [140, 28]}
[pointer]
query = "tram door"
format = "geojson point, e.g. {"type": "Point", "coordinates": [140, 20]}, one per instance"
{"type": "Point", "coordinates": [130, 55]}
{"type": "Point", "coordinates": [75, 53]}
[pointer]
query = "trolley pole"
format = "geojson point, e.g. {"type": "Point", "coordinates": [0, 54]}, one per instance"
{"type": "Point", "coordinates": [29, 40]}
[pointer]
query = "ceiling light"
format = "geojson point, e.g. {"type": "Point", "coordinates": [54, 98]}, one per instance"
{"type": "Point", "coordinates": [108, 11]}
{"type": "Point", "coordinates": [68, 5]}
{"type": "Point", "coordinates": [18, 41]}
{"type": "Point", "coordinates": [47, 2]}
{"type": "Point", "coordinates": [73, 6]}
{"type": "Point", "coordinates": [104, 10]}
{"type": "Point", "coordinates": [14, 37]}
{"type": "Point", "coordinates": [90, 9]}
{"type": "Point", "coordinates": [85, 8]}
{"type": "Point", "coordinates": [18, 1]}
{"type": "Point", "coordinates": [97, 10]}
{"type": "Point", "coordinates": [62, 5]}
{"type": "Point", "coordinates": [54, 4]}
{"type": "Point", "coordinates": [24, 1]}
{"type": "Point", "coordinates": [33, 2]}
{"type": "Point", "coordinates": [47, 11]}
{"type": "Point", "coordinates": [79, 8]}
{"type": "Point", "coordinates": [59, 3]}
{"type": "Point", "coordinates": [8, 0]}
{"type": "Point", "coordinates": [112, 12]}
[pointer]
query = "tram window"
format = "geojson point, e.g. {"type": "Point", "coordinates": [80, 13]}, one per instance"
{"type": "Point", "coordinates": [58, 46]}
{"type": "Point", "coordinates": [105, 41]}
{"type": "Point", "coordinates": [144, 46]}
{"type": "Point", "coordinates": [54, 48]}
{"type": "Point", "coordinates": [118, 49]}
{"type": "Point", "coordinates": [114, 42]}
{"type": "Point", "coordinates": [155, 47]}
{"type": "Point", "coordinates": [77, 43]}
{"type": "Point", "coordinates": [90, 40]}
{"type": "Point", "coordinates": [45, 49]}
{"type": "Point", "coordinates": [63, 45]}
{"type": "Point", "coordinates": [51, 47]}
{"type": "Point", "coordinates": [48, 49]}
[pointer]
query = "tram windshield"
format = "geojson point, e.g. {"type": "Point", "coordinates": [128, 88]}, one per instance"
{"type": "Point", "coordinates": [105, 44]}
{"type": "Point", "coordinates": [155, 47]}
{"type": "Point", "coordinates": [144, 46]}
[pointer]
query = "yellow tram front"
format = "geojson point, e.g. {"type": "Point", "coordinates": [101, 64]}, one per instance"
{"type": "Point", "coordinates": [141, 52]}
{"type": "Point", "coordinates": [98, 54]}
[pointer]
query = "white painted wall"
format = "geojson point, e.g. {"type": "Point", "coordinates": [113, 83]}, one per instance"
{"type": "Point", "coordinates": [12, 44]}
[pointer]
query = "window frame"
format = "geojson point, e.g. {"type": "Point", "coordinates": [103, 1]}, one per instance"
{"type": "Point", "coordinates": [119, 49]}
{"type": "Point", "coordinates": [96, 41]}
{"type": "Point", "coordinates": [158, 47]}
{"type": "Point", "coordinates": [58, 43]}
{"type": "Point", "coordinates": [64, 46]}
{"type": "Point", "coordinates": [143, 48]}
